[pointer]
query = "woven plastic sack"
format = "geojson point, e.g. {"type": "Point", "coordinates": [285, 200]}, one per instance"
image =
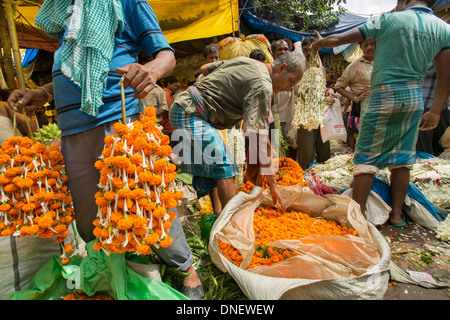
{"type": "Point", "coordinates": [329, 268]}
{"type": "Point", "coordinates": [96, 272]}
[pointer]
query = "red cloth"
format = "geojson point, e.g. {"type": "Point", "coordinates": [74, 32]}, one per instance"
{"type": "Point", "coordinates": [167, 127]}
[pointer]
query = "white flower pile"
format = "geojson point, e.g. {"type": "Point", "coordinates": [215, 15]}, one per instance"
{"type": "Point", "coordinates": [443, 230]}
{"type": "Point", "coordinates": [432, 178]}
{"type": "Point", "coordinates": [336, 172]}
{"type": "Point", "coordinates": [310, 101]}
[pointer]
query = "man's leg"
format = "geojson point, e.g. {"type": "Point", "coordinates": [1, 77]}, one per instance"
{"type": "Point", "coordinates": [399, 187]}
{"type": "Point", "coordinates": [226, 189]}
{"type": "Point", "coordinates": [215, 201]}
{"type": "Point", "coordinates": [362, 183]}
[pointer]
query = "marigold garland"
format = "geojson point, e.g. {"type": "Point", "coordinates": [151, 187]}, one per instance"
{"type": "Point", "coordinates": [289, 173]}
{"type": "Point", "coordinates": [136, 188]}
{"type": "Point", "coordinates": [270, 224]}
{"type": "Point", "coordinates": [34, 196]}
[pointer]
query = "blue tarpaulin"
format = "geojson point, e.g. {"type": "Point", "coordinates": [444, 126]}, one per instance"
{"type": "Point", "coordinates": [347, 21]}
{"type": "Point", "coordinates": [30, 56]}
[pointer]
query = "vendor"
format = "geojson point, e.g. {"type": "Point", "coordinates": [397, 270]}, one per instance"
{"type": "Point", "coordinates": [87, 110]}
{"type": "Point", "coordinates": [232, 90]}
{"type": "Point", "coordinates": [407, 41]}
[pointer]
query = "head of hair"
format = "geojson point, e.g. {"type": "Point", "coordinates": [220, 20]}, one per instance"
{"type": "Point", "coordinates": [210, 48]}
{"type": "Point", "coordinates": [169, 80]}
{"type": "Point", "coordinates": [258, 54]}
{"type": "Point", "coordinates": [429, 3]}
{"type": "Point", "coordinates": [273, 44]}
{"type": "Point", "coordinates": [293, 60]}
{"type": "Point", "coordinates": [307, 41]}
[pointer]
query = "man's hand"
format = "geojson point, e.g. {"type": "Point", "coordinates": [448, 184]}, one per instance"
{"type": "Point", "coordinates": [277, 198]}
{"type": "Point", "coordinates": [142, 78]}
{"type": "Point", "coordinates": [429, 121]}
{"type": "Point", "coordinates": [362, 95]}
{"type": "Point", "coordinates": [139, 78]}
{"type": "Point", "coordinates": [29, 98]}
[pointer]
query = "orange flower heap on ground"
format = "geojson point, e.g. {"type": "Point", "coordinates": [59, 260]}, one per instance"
{"type": "Point", "coordinates": [289, 174]}
{"type": "Point", "coordinates": [137, 190]}
{"type": "Point", "coordinates": [35, 198]}
{"type": "Point", "coordinates": [270, 224]}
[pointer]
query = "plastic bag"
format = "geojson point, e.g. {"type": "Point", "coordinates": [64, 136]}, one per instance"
{"type": "Point", "coordinates": [21, 258]}
{"type": "Point", "coordinates": [345, 267]}
{"type": "Point", "coordinates": [333, 127]}
{"type": "Point", "coordinates": [96, 272]}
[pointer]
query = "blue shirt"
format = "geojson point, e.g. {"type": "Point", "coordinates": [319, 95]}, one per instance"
{"type": "Point", "coordinates": [141, 32]}
{"type": "Point", "coordinates": [406, 43]}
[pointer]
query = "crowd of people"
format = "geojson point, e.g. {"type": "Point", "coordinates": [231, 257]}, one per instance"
{"type": "Point", "coordinates": [383, 86]}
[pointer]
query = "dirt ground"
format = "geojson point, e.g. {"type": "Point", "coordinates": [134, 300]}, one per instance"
{"type": "Point", "coordinates": [415, 248]}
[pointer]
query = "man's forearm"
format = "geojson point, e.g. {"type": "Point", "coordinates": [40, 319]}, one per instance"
{"type": "Point", "coordinates": [442, 88]}
{"type": "Point", "coordinates": [335, 40]}
{"type": "Point", "coordinates": [163, 64]}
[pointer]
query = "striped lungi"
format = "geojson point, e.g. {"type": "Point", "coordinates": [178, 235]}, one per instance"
{"type": "Point", "coordinates": [201, 151]}
{"type": "Point", "coordinates": [389, 128]}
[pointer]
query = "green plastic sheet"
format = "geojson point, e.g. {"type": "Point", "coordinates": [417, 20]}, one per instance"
{"type": "Point", "coordinates": [96, 272]}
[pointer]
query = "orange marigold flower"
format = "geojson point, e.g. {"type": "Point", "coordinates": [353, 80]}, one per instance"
{"type": "Point", "coordinates": [125, 223]}
{"type": "Point", "coordinates": [159, 212]}
{"type": "Point", "coordinates": [68, 248]}
{"type": "Point", "coordinates": [120, 128]}
{"type": "Point", "coordinates": [160, 165]}
{"type": "Point", "coordinates": [152, 238]}
{"type": "Point", "coordinates": [144, 249]}
{"type": "Point", "coordinates": [45, 222]}
{"type": "Point", "coordinates": [165, 242]}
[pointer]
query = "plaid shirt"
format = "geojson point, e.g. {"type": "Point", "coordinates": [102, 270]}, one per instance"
{"type": "Point", "coordinates": [428, 85]}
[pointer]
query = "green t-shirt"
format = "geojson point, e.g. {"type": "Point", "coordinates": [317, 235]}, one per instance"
{"type": "Point", "coordinates": [406, 43]}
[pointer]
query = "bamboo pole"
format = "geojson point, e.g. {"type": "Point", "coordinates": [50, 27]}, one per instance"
{"type": "Point", "coordinates": [6, 45]}
{"type": "Point", "coordinates": [14, 43]}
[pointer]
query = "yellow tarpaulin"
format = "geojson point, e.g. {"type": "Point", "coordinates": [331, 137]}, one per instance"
{"type": "Point", "coordinates": [180, 20]}
{"type": "Point", "coordinates": [187, 20]}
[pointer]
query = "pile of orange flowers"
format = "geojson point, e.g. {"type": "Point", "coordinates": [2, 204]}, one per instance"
{"type": "Point", "coordinates": [289, 173]}
{"type": "Point", "coordinates": [34, 195]}
{"type": "Point", "coordinates": [137, 189]}
{"type": "Point", "coordinates": [270, 224]}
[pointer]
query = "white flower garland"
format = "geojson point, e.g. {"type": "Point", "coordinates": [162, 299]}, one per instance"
{"type": "Point", "coordinates": [310, 101]}
{"type": "Point", "coordinates": [236, 146]}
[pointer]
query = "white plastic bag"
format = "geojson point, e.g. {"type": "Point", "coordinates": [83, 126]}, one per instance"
{"type": "Point", "coordinates": [333, 127]}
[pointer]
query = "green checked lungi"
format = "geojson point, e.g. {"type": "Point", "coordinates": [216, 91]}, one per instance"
{"type": "Point", "coordinates": [200, 150]}
{"type": "Point", "coordinates": [389, 128]}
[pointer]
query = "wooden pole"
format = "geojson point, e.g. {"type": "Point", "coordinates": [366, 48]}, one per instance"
{"type": "Point", "coordinates": [14, 43]}
{"type": "Point", "coordinates": [6, 45]}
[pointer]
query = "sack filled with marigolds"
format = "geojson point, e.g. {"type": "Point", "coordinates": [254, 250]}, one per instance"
{"type": "Point", "coordinates": [35, 199]}
{"type": "Point", "coordinates": [288, 173]}
{"type": "Point", "coordinates": [289, 177]}
{"type": "Point", "coordinates": [137, 192]}
{"type": "Point", "coordinates": [291, 255]}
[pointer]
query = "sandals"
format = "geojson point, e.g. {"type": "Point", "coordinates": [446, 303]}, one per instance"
{"type": "Point", "coordinates": [194, 293]}
{"type": "Point", "coordinates": [401, 224]}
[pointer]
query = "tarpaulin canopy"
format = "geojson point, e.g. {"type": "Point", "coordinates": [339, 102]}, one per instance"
{"type": "Point", "coordinates": [347, 21]}
{"type": "Point", "coordinates": [180, 20]}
